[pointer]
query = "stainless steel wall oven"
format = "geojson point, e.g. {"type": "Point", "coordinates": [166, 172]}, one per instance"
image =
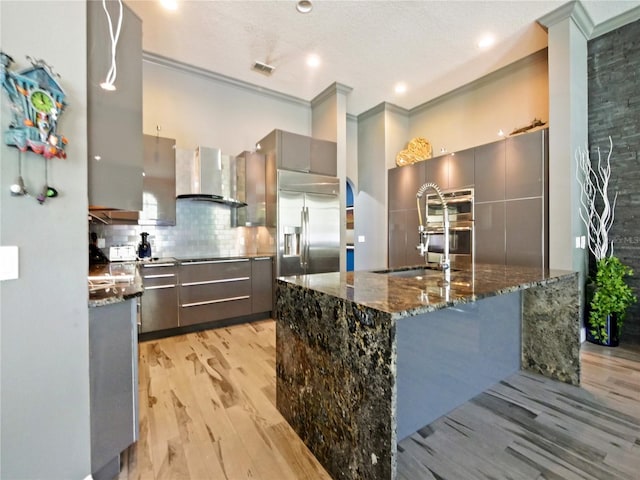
{"type": "Point", "coordinates": [461, 236]}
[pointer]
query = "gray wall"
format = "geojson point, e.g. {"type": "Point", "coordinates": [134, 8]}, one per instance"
{"type": "Point", "coordinates": [614, 110]}
{"type": "Point", "coordinates": [43, 314]}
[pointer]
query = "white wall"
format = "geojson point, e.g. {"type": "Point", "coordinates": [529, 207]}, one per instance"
{"type": "Point", "coordinates": [45, 430]}
{"type": "Point", "coordinates": [472, 115]}
{"type": "Point", "coordinates": [370, 209]}
{"type": "Point", "coordinates": [196, 109]}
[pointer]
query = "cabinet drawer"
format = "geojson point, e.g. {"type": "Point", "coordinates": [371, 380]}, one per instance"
{"type": "Point", "coordinates": [208, 312]}
{"type": "Point", "coordinates": [210, 270]}
{"type": "Point", "coordinates": [222, 290]}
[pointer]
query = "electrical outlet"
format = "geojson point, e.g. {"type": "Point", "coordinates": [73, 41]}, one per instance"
{"type": "Point", "coordinates": [8, 263]}
{"type": "Point", "coordinates": [360, 238]}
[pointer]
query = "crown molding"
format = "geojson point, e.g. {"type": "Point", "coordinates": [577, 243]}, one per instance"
{"type": "Point", "coordinates": [573, 10]}
{"type": "Point", "coordinates": [332, 89]}
{"type": "Point", "coordinates": [616, 22]}
{"type": "Point", "coordinates": [155, 59]}
{"type": "Point", "coordinates": [380, 108]}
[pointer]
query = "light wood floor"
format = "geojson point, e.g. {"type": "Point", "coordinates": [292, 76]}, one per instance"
{"type": "Point", "coordinates": [207, 411]}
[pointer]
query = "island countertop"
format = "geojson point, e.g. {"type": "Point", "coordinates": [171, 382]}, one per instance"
{"type": "Point", "coordinates": [403, 296]}
{"type": "Point", "coordinates": [363, 359]}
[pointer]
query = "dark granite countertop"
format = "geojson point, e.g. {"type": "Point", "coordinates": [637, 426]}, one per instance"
{"type": "Point", "coordinates": [113, 283]}
{"type": "Point", "coordinates": [407, 296]}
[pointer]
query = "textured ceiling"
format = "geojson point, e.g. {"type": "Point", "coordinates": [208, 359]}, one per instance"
{"type": "Point", "coordinates": [366, 45]}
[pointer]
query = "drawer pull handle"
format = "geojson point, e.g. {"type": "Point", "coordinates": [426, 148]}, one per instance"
{"type": "Point", "coordinates": [158, 287]}
{"type": "Point", "coordinates": [209, 282]}
{"type": "Point", "coordinates": [164, 275]}
{"type": "Point", "coordinates": [210, 302]}
{"type": "Point", "coordinates": [159, 265]}
{"type": "Point", "coordinates": [208, 262]}
{"type": "Point", "coordinates": [262, 258]}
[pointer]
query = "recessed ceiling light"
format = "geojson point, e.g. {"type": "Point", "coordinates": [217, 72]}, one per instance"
{"type": "Point", "coordinates": [486, 41]}
{"type": "Point", "coordinates": [304, 6]}
{"type": "Point", "coordinates": [400, 88]}
{"type": "Point", "coordinates": [169, 4]}
{"type": "Point", "coordinates": [313, 60]}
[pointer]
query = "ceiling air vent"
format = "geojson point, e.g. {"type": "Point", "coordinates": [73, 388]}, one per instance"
{"type": "Point", "coordinates": [263, 68]}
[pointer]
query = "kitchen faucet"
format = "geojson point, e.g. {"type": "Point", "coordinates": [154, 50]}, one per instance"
{"type": "Point", "coordinates": [445, 261]}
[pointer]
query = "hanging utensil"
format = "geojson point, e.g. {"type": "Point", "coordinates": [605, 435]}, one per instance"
{"type": "Point", "coordinates": [18, 188]}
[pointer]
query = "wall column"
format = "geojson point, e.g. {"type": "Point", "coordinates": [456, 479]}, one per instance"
{"type": "Point", "coordinates": [568, 29]}
{"type": "Point", "coordinates": [329, 122]}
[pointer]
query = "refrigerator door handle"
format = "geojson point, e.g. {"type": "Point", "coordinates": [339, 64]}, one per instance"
{"type": "Point", "coordinates": [303, 237]}
{"type": "Point", "coordinates": [306, 237]}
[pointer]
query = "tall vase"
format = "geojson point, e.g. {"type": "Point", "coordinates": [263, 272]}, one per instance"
{"type": "Point", "coordinates": [611, 329]}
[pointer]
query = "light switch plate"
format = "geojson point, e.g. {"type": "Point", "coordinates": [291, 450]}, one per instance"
{"type": "Point", "coordinates": [360, 238]}
{"type": "Point", "coordinates": [8, 263]}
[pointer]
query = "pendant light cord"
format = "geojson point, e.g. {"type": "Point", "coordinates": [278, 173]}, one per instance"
{"type": "Point", "coordinates": [113, 70]}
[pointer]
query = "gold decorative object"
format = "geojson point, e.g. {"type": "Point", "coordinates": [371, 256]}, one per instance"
{"type": "Point", "coordinates": [417, 150]}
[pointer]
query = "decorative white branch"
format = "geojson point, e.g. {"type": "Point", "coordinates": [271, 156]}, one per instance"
{"type": "Point", "coordinates": [594, 185]}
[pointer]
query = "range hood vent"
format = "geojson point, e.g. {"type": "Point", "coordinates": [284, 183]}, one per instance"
{"type": "Point", "coordinates": [207, 175]}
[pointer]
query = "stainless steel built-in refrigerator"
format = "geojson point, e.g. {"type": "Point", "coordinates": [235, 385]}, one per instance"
{"type": "Point", "coordinates": [308, 223]}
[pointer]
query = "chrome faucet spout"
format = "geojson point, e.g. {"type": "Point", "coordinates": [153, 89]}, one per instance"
{"type": "Point", "coordinates": [445, 261]}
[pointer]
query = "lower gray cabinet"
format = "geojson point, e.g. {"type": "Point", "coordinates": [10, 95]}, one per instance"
{"type": "Point", "coordinates": [159, 304]}
{"type": "Point", "coordinates": [525, 232]}
{"type": "Point", "coordinates": [490, 233]}
{"type": "Point", "coordinates": [261, 284]}
{"type": "Point", "coordinates": [213, 290]}
{"type": "Point", "coordinates": [403, 238]}
{"type": "Point", "coordinates": [113, 374]}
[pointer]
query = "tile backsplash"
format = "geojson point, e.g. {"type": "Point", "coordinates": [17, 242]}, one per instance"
{"type": "Point", "coordinates": [202, 229]}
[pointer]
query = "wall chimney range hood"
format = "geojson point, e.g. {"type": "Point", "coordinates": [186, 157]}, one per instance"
{"type": "Point", "coordinates": [207, 175]}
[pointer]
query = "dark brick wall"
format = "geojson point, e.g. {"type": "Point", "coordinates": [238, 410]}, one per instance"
{"type": "Point", "coordinates": [614, 110]}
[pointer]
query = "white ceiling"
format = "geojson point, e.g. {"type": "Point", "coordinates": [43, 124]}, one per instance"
{"type": "Point", "coordinates": [366, 45]}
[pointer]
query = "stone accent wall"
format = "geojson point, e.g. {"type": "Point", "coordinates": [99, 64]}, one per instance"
{"type": "Point", "coordinates": [614, 110]}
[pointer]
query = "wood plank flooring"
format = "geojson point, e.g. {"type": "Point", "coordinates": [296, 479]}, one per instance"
{"type": "Point", "coordinates": [528, 427]}
{"type": "Point", "coordinates": [207, 411]}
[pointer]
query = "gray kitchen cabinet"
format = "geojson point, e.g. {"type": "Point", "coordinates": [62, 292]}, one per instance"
{"type": "Point", "coordinates": [159, 304]}
{"type": "Point", "coordinates": [113, 374]}
{"type": "Point", "coordinates": [114, 118]}
{"type": "Point", "coordinates": [261, 284]}
{"type": "Point", "coordinates": [490, 232]}
{"type": "Point", "coordinates": [251, 184]}
{"type": "Point", "coordinates": [490, 172]}
{"type": "Point", "coordinates": [403, 238]}
{"type": "Point", "coordinates": [525, 165]}
{"type": "Point", "coordinates": [404, 183]}
{"type": "Point", "coordinates": [526, 242]}
{"type": "Point", "coordinates": [461, 169]}
{"type": "Point", "coordinates": [438, 171]}
{"type": "Point", "coordinates": [301, 153]}
{"type": "Point", "coordinates": [159, 181]}
{"type": "Point", "coordinates": [323, 159]}
{"type": "Point", "coordinates": [212, 290]}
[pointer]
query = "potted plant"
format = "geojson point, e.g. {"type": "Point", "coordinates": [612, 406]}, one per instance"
{"type": "Point", "coordinates": [608, 295]}
{"type": "Point", "coordinates": [611, 298]}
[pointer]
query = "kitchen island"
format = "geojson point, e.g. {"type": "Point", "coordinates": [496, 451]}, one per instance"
{"type": "Point", "coordinates": [364, 359]}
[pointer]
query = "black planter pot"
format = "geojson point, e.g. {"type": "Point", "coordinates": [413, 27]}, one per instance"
{"type": "Point", "coordinates": [611, 328]}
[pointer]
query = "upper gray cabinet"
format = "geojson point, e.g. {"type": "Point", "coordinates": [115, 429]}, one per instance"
{"type": "Point", "coordinates": [438, 171]}
{"type": "Point", "coordinates": [525, 169]}
{"type": "Point", "coordinates": [489, 172]}
{"type": "Point", "coordinates": [114, 118]}
{"type": "Point", "coordinates": [461, 169]}
{"type": "Point", "coordinates": [404, 183]}
{"type": "Point", "coordinates": [252, 183]}
{"type": "Point", "coordinates": [301, 153]}
{"type": "Point", "coordinates": [159, 184]}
